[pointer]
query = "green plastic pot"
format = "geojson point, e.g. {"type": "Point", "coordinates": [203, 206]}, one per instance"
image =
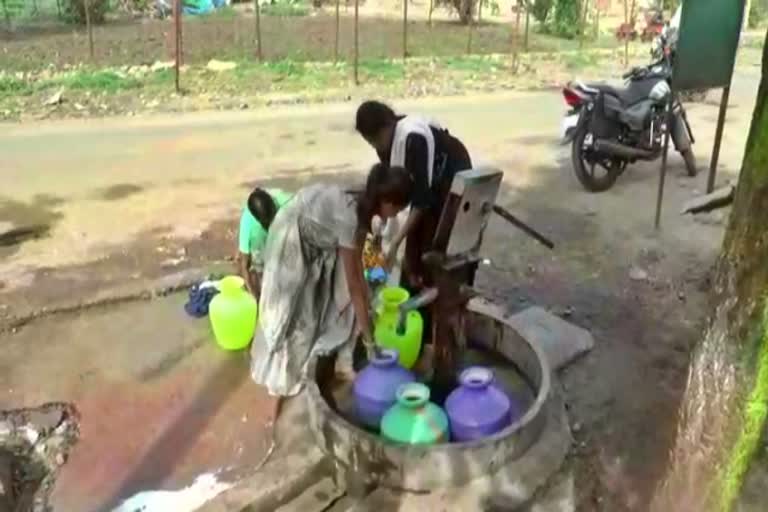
{"type": "Point", "coordinates": [414, 419]}
{"type": "Point", "coordinates": [233, 313]}
{"type": "Point", "coordinates": [407, 344]}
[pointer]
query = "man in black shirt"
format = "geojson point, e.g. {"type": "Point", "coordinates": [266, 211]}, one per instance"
{"type": "Point", "coordinates": [432, 156]}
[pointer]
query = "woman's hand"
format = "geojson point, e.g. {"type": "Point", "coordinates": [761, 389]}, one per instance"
{"type": "Point", "coordinates": [368, 342]}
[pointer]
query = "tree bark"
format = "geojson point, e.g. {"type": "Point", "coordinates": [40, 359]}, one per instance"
{"type": "Point", "coordinates": [89, 27]}
{"type": "Point", "coordinates": [583, 23]}
{"type": "Point", "coordinates": [725, 405]}
{"type": "Point", "coordinates": [527, 25]}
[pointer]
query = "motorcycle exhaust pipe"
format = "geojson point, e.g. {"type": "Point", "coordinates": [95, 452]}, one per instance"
{"type": "Point", "coordinates": [615, 149]}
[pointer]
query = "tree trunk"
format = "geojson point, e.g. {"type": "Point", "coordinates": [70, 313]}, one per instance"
{"type": "Point", "coordinates": [724, 408]}
{"type": "Point", "coordinates": [516, 38]}
{"type": "Point", "coordinates": [583, 22]}
{"type": "Point", "coordinates": [464, 8]}
{"type": "Point", "coordinates": [747, 8]}
{"type": "Point", "coordinates": [89, 27]}
{"type": "Point", "coordinates": [527, 25]}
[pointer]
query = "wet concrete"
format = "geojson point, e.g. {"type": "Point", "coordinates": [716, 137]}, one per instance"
{"type": "Point", "coordinates": [159, 403]}
{"type": "Point", "coordinates": [21, 222]}
{"type": "Point", "coordinates": [119, 191]}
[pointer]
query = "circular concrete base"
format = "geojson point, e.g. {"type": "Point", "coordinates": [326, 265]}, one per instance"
{"type": "Point", "coordinates": [368, 459]}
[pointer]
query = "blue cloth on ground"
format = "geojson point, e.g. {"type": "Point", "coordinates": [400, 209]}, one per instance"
{"type": "Point", "coordinates": [200, 297]}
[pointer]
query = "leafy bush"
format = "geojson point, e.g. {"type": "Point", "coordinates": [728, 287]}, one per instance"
{"type": "Point", "coordinates": [758, 11]}
{"type": "Point", "coordinates": [74, 10]}
{"type": "Point", "coordinates": [541, 10]}
{"type": "Point", "coordinates": [464, 8]}
{"type": "Point", "coordinates": [670, 5]}
{"type": "Point", "coordinates": [567, 19]}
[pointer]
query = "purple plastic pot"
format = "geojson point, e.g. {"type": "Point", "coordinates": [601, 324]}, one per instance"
{"type": "Point", "coordinates": [478, 408]}
{"type": "Point", "coordinates": [376, 386]}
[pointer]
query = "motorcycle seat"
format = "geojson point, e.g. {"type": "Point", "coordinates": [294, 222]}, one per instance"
{"type": "Point", "coordinates": [621, 94]}
{"type": "Point", "coordinates": [626, 95]}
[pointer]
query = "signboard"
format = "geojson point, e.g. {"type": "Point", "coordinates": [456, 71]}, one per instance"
{"type": "Point", "coordinates": [707, 43]}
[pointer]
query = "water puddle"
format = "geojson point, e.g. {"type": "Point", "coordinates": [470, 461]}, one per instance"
{"type": "Point", "coordinates": [119, 191]}
{"type": "Point", "coordinates": [22, 222]}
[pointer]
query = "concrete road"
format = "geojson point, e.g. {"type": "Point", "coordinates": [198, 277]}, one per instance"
{"type": "Point", "coordinates": [73, 191]}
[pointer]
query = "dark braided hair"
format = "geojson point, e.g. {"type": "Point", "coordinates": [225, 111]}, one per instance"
{"type": "Point", "coordinates": [262, 207]}
{"type": "Point", "coordinates": [384, 183]}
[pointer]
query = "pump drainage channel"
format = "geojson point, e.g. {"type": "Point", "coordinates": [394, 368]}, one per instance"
{"type": "Point", "coordinates": [34, 444]}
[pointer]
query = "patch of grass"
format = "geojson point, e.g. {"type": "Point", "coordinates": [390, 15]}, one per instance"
{"type": "Point", "coordinates": [383, 69]}
{"type": "Point", "coordinates": [284, 67]}
{"type": "Point", "coordinates": [285, 9]}
{"type": "Point", "coordinates": [471, 63]}
{"type": "Point", "coordinates": [12, 86]}
{"type": "Point", "coordinates": [222, 13]}
{"type": "Point", "coordinates": [162, 77]}
{"type": "Point", "coordinates": [106, 81]}
{"type": "Point", "coordinates": [577, 61]}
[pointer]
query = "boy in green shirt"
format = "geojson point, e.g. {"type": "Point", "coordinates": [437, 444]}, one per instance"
{"type": "Point", "coordinates": [258, 214]}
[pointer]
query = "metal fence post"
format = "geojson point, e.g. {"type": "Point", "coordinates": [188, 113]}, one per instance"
{"type": "Point", "coordinates": [336, 40]}
{"type": "Point", "coordinates": [177, 40]}
{"type": "Point", "coordinates": [470, 28]}
{"type": "Point", "coordinates": [357, 42]}
{"type": "Point", "coordinates": [257, 10]}
{"type": "Point", "coordinates": [405, 29]}
{"type": "Point", "coordinates": [89, 27]}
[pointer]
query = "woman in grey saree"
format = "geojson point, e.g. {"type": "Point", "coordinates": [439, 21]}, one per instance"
{"type": "Point", "coordinates": [314, 299]}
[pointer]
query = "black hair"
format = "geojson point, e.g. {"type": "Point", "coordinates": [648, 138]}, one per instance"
{"type": "Point", "coordinates": [384, 183]}
{"type": "Point", "coordinates": [262, 207]}
{"type": "Point", "coordinates": [372, 117]}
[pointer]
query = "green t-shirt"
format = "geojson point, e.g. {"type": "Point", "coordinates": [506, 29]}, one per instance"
{"type": "Point", "coordinates": [253, 236]}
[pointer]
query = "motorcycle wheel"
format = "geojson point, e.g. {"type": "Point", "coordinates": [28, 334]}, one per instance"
{"type": "Point", "coordinates": [585, 169]}
{"type": "Point", "coordinates": [690, 162]}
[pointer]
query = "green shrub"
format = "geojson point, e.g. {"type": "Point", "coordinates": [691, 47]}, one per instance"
{"type": "Point", "coordinates": [567, 18]}
{"type": "Point", "coordinates": [758, 10]}
{"type": "Point", "coordinates": [74, 10]}
{"type": "Point", "coordinates": [541, 10]}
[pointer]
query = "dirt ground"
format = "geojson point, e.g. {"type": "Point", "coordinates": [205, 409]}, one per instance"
{"type": "Point", "coordinates": [159, 195]}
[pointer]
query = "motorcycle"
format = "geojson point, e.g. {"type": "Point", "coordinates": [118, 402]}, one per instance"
{"type": "Point", "coordinates": [610, 127]}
